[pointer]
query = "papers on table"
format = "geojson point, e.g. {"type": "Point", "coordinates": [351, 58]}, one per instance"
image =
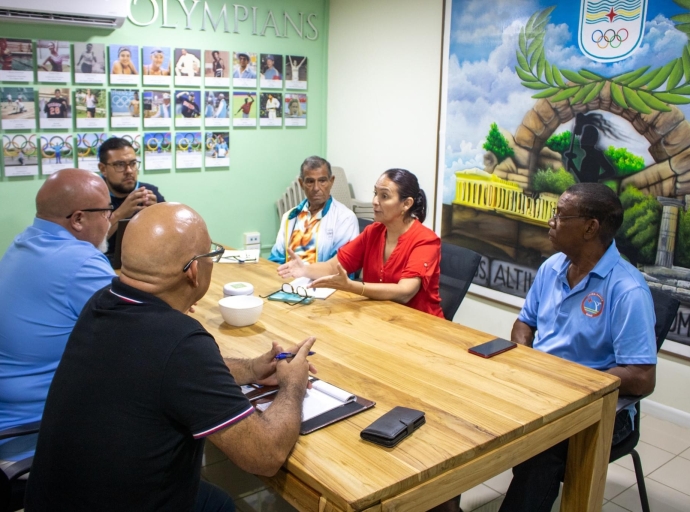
{"type": "Point", "coordinates": [249, 256]}
{"type": "Point", "coordinates": [318, 293]}
{"type": "Point", "coordinates": [321, 398]}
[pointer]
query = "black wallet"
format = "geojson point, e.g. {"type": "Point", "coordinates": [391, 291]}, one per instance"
{"type": "Point", "coordinates": [394, 426]}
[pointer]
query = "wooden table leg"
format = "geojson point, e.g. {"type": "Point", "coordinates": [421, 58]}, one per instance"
{"type": "Point", "coordinates": [588, 460]}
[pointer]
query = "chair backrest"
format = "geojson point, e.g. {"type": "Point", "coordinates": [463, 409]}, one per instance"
{"type": "Point", "coordinates": [363, 223]}
{"type": "Point", "coordinates": [341, 188]}
{"type": "Point", "coordinates": [665, 310]}
{"type": "Point", "coordinates": [292, 196]}
{"type": "Point", "coordinates": [458, 267]}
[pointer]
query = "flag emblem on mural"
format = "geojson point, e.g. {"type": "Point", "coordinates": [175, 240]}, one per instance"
{"type": "Point", "coordinates": [610, 30]}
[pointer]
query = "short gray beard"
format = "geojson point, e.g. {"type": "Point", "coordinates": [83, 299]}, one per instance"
{"type": "Point", "coordinates": [103, 246]}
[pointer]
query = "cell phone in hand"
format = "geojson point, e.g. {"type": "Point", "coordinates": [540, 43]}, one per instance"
{"type": "Point", "coordinates": [492, 348]}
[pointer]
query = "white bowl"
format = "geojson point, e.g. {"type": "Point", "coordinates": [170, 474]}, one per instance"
{"type": "Point", "coordinates": [241, 310]}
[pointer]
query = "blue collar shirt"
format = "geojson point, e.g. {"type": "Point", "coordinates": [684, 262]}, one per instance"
{"type": "Point", "coordinates": [606, 320]}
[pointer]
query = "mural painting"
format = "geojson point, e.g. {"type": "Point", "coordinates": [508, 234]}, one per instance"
{"type": "Point", "coordinates": [544, 95]}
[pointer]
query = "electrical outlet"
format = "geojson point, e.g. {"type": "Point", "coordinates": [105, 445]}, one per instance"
{"type": "Point", "coordinates": [252, 238]}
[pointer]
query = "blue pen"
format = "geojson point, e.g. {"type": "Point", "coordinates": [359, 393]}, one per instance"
{"type": "Point", "coordinates": [288, 355]}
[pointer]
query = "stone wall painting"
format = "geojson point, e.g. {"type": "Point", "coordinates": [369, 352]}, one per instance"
{"type": "Point", "coordinates": [541, 95]}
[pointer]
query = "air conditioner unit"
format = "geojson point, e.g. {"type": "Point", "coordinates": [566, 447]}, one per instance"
{"type": "Point", "coordinates": [76, 13]}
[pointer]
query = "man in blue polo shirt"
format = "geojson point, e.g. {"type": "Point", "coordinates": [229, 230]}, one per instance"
{"type": "Point", "coordinates": [48, 273]}
{"type": "Point", "coordinates": [590, 306]}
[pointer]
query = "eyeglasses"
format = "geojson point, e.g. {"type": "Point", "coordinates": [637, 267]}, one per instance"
{"type": "Point", "coordinates": [299, 290]}
{"type": "Point", "coordinates": [558, 216]}
{"type": "Point", "coordinates": [216, 254]}
{"type": "Point", "coordinates": [121, 166]}
{"type": "Point", "coordinates": [108, 215]}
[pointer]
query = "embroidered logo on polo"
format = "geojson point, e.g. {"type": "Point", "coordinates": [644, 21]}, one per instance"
{"type": "Point", "coordinates": [593, 305]}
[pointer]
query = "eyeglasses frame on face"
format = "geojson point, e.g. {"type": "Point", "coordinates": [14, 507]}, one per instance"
{"type": "Point", "coordinates": [557, 216]}
{"type": "Point", "coordinates": [118, 166]}
{"type": "Point", "coordinates": [110, 209]}
{"type": "Point", "coordinates": [216, 254]}
{"type": "Point", "coordinates": [288, 288]}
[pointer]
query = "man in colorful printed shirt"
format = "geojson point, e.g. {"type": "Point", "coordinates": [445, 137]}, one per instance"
{"type": "Point", "coordinates": [317, 227]}
{"type": "Point", "coordinates": [590, 306]}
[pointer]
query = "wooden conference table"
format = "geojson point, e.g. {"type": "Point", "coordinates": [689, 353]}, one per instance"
{"type": "Point", "coordinates": [483, 415]}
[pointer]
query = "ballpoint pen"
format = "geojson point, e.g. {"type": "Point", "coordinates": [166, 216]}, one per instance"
{"type": "Point", "coordinates": [288, 355]}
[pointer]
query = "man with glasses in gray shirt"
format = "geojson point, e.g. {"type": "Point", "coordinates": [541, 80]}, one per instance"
{"type": "Point", "coordinates": [120, 170]}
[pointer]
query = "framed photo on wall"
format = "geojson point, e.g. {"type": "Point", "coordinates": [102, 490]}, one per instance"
{"type": "Point", "coordinates": [18, 108]}
{"type": "Point", "coordinates": [124, 64]}
{"type": "Point", "coordinates": [20, 154]}
{"type": "Point", "coordinates": [17, 60]}
{"type": "Point", "coordinates": [89, 63]}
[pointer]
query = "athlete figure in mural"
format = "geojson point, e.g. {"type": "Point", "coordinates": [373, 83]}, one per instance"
{"type": "Point", "coordinates": [272, 105]}
{"type": "Point", "coordinates": [270, 73]}
{"type": "Point", "coordinates": [91, 101]}
{"type": "Point", "coordinates": [54, 59]}
{"type": "Point", "coordinates": [295, 67]}
{"type": "Point", "coordinates": [221, 108]}
{"type": "Point", "coordinates": [87, 59]}
{"type": "Point", "coordinates": [294, 108]}
{"type": "Point", "coordinates": [187, 65]}
{"type": "Point", "coordinates": [135, 105]}
{"type": "Point", "coordinates": [243, 69]}
{"type": "Point", "coordinates": [587, 127]}
{"type": "Point", "coordinates": [6, 55]}
{"type": "Point", "coordinates": [218, 64]}
{"type": "Point", "coordinates": [124, 65]}
{"type": "Point", "coordinates": [57, 106]}
{"type": "Point", "coordinates": [156, 66]}
{"type": "Point", "coordinates": [19, 105]}
{"type": "Point", "coordinates": [247, 107]}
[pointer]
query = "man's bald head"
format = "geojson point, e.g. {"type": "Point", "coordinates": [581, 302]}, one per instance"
{"type": "Point", "coordinates": [66, 191]}
{"type": "Point", "coordinates": [69, 192]}
{"type": "Point", "coordinates": [158, 243]}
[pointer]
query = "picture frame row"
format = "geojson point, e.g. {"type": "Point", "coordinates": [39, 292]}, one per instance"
{"type": "Point", "coordinates": [59, 108]}
{"type": "Point", "coordinates": [23, 154]}
{"type": "Point", "coordinates": [51, 61]}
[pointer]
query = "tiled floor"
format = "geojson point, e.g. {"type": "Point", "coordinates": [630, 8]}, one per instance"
{"type": "Point", "coordinates": [664, 449]}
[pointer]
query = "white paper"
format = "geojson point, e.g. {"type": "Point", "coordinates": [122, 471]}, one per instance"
{"type": "Point", "coordinates": [19, 124]}
{"type": "Point", "coordinates": [155, 161]}
{"type": "Point", "coordinates": [16, 76]}
{"type": "Point", "coordinates": [215, 81]}
{"type": "Point", "coordinates": [89, 78]}
{"type": "Point", "coordinates": [217, 162]}
{"type": "Point", "coordinates": [156, 122]}
{"type": "Point", "coordinates": [188, 121]}
{"type": "Point", "coordinates": [61, 77]}
{"type": "Point", "coordinates": [50, 123]}
{"type": "Point", "coordinates": [187, 80]}
{"type": "Point", "coordinates": [156, 79]}
{"type": "Point", "coordinates": [316, 402]}
{"type": "Point", "coordinates": [265, 121]}
{"type": "Point", "coordinates": [124, 79]}
{"type": "Point", "coordinates": [295, 84]}
{"type": "Point", "coordinates": [295, 122]}
{"type": "Point", "coordinates": [318, 293]}
{"type": "Point", "coordinates": [21, 170]}
{"type": "Point", "coordinates": [223, 122]}
{"type": "Point", "coordinates": [184, 160]}
{"type": "Point", "coordinates": [244, 121]}
{"type": "Point", "coordinates": [244, 82]}
{"type": "Point", "coordinates": [91, 122]}
{"type": "Point", "coordinates": [249, 256]}
{"type": "Point", "coordinates": [271, 84]}
{"type": "Point", "coordinates": [124, 122]}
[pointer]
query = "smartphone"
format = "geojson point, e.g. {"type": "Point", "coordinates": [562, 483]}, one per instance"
{"type": "Point", "coordinates": [492, 348]}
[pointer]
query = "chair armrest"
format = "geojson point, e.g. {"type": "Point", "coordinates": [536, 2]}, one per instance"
{"type": "Point", "coordinates": [19, 468]}
{"type": "Point", "coordinates": [21, 430]}
{"type": "Point", "coordinates": [627, 400]}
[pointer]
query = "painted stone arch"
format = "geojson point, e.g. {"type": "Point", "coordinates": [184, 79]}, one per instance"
{"type": "Point", "coordinates": [668, 134]}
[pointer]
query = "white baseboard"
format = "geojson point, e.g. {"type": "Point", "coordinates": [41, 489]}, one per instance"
{"type": "Point", "coordinates": [664, 412]}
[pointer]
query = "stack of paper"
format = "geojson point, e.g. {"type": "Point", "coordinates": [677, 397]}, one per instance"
{"type": "Point", "coordinates": [321, 398]}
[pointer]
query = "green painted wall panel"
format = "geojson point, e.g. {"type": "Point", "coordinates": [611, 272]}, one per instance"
{"type": "Point", "coordinates": [263, 160]}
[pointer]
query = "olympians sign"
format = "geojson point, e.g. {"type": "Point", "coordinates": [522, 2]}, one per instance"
{"type": "Point", "coordinates": [610, 30]}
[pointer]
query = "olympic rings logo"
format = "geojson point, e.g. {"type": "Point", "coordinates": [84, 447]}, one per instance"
{"type": "Point", "coordinates": [213, 138]}
{"type": "Point", "coordinates": [121, 99]}
{"type": "Point", "coordinates": [86, 148]}
{"type": "Point", "coordinates": [611, 37]}
{"type": "Point", "coordinates": [19, 143]}
{"type": "Point", "coordinates": [134, 141]}
{"type": "Point", "coordinates": [156, 141]}
{"type": "Point", "coordinates": [56, 145]}
{"type": "Point", "coordinates": [187, 139]}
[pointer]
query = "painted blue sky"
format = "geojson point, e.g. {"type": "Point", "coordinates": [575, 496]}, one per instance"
{"type": "Point", "coordinates": [482, 84]}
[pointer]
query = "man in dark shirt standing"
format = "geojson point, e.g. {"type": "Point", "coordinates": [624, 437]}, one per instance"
{"type": "Point", "coordinates": [120, 170]}
{"type": "Point", "coordinates": [56, 106]}
{"type": "Point", "coordinates": [141, 384]}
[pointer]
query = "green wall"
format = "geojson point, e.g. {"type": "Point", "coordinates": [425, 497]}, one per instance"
{"type": "Point", "coordinates": [263, 160]}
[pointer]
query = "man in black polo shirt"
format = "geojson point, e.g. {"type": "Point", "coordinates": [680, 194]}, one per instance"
{"type": "Point", "coordinates": [141, 384]}
{"type": "Point", "coordinates": [120, 170]}
{"type": "Point", "coordinates": [56, 107]}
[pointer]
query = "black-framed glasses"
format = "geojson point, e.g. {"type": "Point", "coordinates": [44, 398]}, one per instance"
{"type": "Point", "coordinates": [109, 210]}
{"type": "Point", "coordinates": [557, 216]}
{"type": "Point", "coordinates": [216, 254]}
{"type": "Point", "coordinates": [121, 166]}
{"type": "Point", "coordinates": [300, 291]}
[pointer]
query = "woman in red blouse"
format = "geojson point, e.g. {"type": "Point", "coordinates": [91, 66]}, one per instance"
{"type": "Point", "coordinates": [400, 257]}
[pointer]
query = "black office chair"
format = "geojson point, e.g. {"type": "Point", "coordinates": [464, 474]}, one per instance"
{"type": "Point", "coordinates": [458, 267]}
{"type": "Point", "coordinates": [665, 309]}
{"type": "Point", "coordinates": [12, 489]}
{"type": "Point", "coordinates": [363, 223]}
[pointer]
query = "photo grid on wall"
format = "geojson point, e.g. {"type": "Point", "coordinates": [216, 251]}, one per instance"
{"type": "Point", "coordinates": [71, 92]}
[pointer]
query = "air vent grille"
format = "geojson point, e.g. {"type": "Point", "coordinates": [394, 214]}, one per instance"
{"type": "Point", "coordinates": [64, 19]}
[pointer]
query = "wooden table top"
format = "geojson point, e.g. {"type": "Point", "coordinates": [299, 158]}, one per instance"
{"type": "Point", "coordinates": [395, 355]}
